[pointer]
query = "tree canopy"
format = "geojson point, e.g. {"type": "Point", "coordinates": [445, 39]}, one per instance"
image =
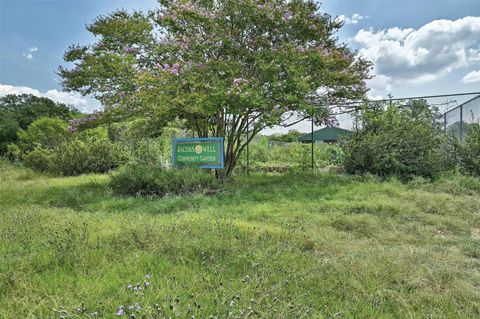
{"type": "Point", "coordinates": [221, 68]}
{"type": "Point", "coordinates": [19, 111]}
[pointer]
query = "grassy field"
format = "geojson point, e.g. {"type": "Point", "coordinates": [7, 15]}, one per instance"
{"type": "Point", "coordinates": [285, 246]}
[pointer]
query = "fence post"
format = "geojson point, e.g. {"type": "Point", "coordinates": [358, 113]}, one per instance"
{"type": "Point", "coordinates": [461, 123]}
{"type": "Point", "coordinates": [312, 146]}
{"type": "Point", "coordinates": [445, 122]}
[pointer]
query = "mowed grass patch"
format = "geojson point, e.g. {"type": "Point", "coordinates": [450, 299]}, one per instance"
{"type": "Point", "coordinates": [293, 246]}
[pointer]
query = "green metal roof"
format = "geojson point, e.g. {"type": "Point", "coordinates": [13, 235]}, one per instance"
{"type": "Point", "coordinates": [325, 134]}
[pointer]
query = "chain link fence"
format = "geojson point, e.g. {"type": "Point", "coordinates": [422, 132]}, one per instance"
{"type": "Point", "coordinates": [454, 114]}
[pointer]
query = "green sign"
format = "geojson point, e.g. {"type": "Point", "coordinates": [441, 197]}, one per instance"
{"type": "Point", "coordinates": [198, 152]}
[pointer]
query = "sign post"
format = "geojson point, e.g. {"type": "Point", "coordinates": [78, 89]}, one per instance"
{"type": "Point", "coordinates": [198, 152]}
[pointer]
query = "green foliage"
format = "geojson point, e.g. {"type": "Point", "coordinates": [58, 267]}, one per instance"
{"type": "Point", "coordinates": [45, 131]}
{"type": "Point", "coordinates": [8, 133]}
{"type": "Point", "coordinates": [470, 152]}
{"type": "Point", "coordinates": [78, 155]}
{"type": "Point", "coordinates": [40, 159]}
{"type": "Point", "coordinates": [19, 111]}
{"type": "Point", "coordinates": [270, 156]}
{"type": "Point", "coordinates": [155, 181]}
{"type": "Point", "coordinates": [219, 68]}
{"type": "Point", "coordinates": [289, 137]}
{"type": "Point", "coordinates": [398, 141]}
{"type": "Point", "coordinates": [459, 129]}
{"type": "Point", "coordinates": [146, 150]}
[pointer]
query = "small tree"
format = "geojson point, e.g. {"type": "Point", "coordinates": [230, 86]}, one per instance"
{"type": "Point", "coordinates": [221, 68]}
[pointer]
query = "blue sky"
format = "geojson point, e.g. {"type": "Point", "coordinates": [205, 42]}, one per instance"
{"type": "Point", "coordinates": [419, 47]}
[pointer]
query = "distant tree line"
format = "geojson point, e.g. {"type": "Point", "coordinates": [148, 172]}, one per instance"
{"type": "Point", "coordinates": [17, 112]}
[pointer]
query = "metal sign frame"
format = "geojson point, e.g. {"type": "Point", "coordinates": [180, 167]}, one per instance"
{"type": "Point", "coordinates": [200, 141]}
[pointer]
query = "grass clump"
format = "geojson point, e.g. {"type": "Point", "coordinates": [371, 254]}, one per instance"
{"type": "Point", "coordinates": [154, 181]}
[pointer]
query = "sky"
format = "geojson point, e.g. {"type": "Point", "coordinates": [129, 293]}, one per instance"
{"type": "Point", "coordinates": [418, 47]}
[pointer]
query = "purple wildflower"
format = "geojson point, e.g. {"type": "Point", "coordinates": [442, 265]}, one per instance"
{"type": "Point", "coordinates": [120, 311]}
{"type": "Point", "coordinates": [237, 81]}
{"type": "Point", "coordinates": [72, 129]}
{"type": "Point", "coordinates": [147, 276]}
{"type": "Point", "coordinates": [287, 15]}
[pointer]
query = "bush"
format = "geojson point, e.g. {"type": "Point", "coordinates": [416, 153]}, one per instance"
{"type": "Point", "coordinates": [469, 152]}
{"type": "Point", "coordinates": [154, 181]}
{"type": "Point", "coordinates": [40, 159]}
{"type": "Point", "coordinates": [45, 131]}
{"type": "Point", "coordinates": [78, 156]}
{"type": "Point", "coordinates": [398, 141]}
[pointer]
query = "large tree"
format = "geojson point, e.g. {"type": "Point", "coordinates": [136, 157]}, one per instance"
{"type": "Point", "coordinates": [221, 68]}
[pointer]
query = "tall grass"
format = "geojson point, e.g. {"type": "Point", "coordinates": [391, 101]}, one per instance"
{"type": "Point", "coordinates": [284, 246]}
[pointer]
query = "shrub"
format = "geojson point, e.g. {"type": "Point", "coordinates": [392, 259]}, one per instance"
{"type": "Point", "coordinates": [148, 180]}
{"type": "Point", "coordinates": [398, 141]}
{"type": "Point", "coordinates": [45, 131]}
{"type": "Point", "coordinates": [78, 156]}
{"type": "Point", "coordinates": [40, 159]}
{"type": "Point", "coordinates": [469, 152]}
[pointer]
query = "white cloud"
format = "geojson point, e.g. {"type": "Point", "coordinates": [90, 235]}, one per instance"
{"type": "Point", "coordinates": [82, 103]}
{"type": "Point", "coordinates": [412, 56]}
{"type": "Point", "coordinates": [354, 19]}
{"type": "Point", "coordinates": [471, 77]}
{"type": "Point", "coordinates": [28, 54]}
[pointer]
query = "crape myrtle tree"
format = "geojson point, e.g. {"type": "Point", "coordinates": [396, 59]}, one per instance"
{"type": "Point", "coordinates": [221, 68]}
